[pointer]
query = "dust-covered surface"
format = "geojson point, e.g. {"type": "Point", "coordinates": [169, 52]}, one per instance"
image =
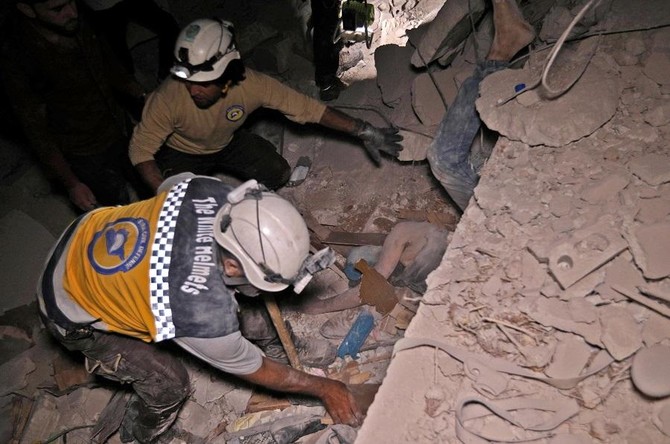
{"type": "Point", "coordinates": [559, 265]}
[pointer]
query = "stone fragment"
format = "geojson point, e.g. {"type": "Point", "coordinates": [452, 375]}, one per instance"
{"type": "Point", "coordinates": [585, 251]}
{"type": "Point", "coordinates": [555, 313]}
{"type": "Point", "coordinates": [590, 103]}
{"type": "Point", "coordinates": [569, 359]}
{"type": "Point", "coordinates": [582, 311]}
{"type": "Point", "coordinates": [621, 335]}
{"type": "Point", "coordinates": [605, 189]}
{"type": "Point", "coordinates": [13, 374]}
{"type": "Point", "coordinates": [656, 329]}
{"type": "Point", "coordinates": [414, 146]}
{"type": "Point", "coordinates": [651, 168]}
{"type": "Point", "coordinates": [653, 210]}
{"type": "Point", "coordinates": [658, 115]}
{"type": "Point", "coordinates": [394, 74]}
{"type": "Point", "coordinates": [427, 101]}
{"type": "Point", "coordinates": [623, 272]}
{"type": "Point", "coordinates": [448, 30]}
{"type": "Point", "coordinates": [650, 371]}
{"type": "Point", "coordinates": [651, 249]}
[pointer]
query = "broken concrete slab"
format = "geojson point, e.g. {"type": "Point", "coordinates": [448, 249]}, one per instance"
{"type": "Point", "coordinates": [393, 72]}
{"type": "Point", "coordinates": [650, 245]}
{"type": "Point", "coordinates": [584, 252]}
{"type": "Point", "coordinates": [604, 189]}
{"type": "Point", "coordinates": [651, 168]}
{"type": "Point", "coordinates": [590, 103]}
{"type": "Point", "coordinates": [569, 359]}
{"type": "Point", "coordinates": [448, 30]}
{"type": "Point", "coordinates": [13, 374]}
{"type": "Point", "coordinates": [414, 146]}
{"type": "Point", "coordinates": [432, 93]}
{"type": "Point", "coordinates": [621, 334]}
{"type": "Point", "coordinates": [650, 371]}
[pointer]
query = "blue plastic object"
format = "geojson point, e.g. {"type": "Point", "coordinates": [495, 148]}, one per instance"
{"type": "Point", "coordinates": [519, 87]}
{"type": "Point", "coordinates": [357, 335]}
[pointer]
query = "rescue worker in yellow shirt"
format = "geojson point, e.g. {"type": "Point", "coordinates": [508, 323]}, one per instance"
{"type": "Point", "coordinates": [122, 279]}
{"type": "Point", "coordinates": [192, 121]}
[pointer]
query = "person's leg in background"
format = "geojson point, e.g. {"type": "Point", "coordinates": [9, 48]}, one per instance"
{"type": "Point", "coordinates": [449, 153]}
{"type": "Point", "coordinates": [325, 18]}
{"type": "Point", "coordinates": [247, 156]}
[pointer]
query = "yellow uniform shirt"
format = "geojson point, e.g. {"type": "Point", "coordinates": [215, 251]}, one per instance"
{"type": "Point", "coordinates": [170, 117]}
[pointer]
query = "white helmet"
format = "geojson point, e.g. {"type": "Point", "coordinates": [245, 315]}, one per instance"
{"type": "Point", "coordinates": [266, 234]}
{"type": "Point", "coordinates": [203, 50]}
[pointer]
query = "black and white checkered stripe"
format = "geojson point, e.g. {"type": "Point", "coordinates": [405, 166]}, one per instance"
{"type": "Point", "coordinates": [160, 262]}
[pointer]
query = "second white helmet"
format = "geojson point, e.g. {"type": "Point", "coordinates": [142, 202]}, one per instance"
{"type": "Point", "coordinates": [203, 50]}
{"type": "Point", "coordinates": [266, 234]}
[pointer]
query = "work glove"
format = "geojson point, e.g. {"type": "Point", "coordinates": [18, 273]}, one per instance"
{"type": "Point", "coordinates": [376, 140]}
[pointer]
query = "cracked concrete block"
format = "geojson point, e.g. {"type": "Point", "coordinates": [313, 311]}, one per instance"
{"type": "Point", "coordinates": [653, 210]}
{"type": "Point", "coordinates": [394, 73]}
{"type": "Point", "coordinates": [14, 374]}
{"type": "Point", "coordinates": [621, 334]}
{"type": "Point", "coordinates": [589, 104]}
{"type": "Point", "coordinates": [448, 30]}
{"type": "Point", "coordinates": [651, 249]}
{"type": "Point", "coordinates": [586, 250]}
{"type": "Point", "coordinates": [569, 359]}
{"type": "Point", "coordinates": [426, 100]}
{"type": "Point", "coordinates": [651, 168]}
{"type": "Point", "coordinates": [658, 115]}
{"type": "Point", "coordinates": [44, 420]}
{"type": "Point", "coordinates": [650, 371]}
{"type": "Point", "coordinates": [414, 146]}
{"type": "Point", "coordinates": [552, 312]}
{"type": "Point", "coordinates": [656, 329]}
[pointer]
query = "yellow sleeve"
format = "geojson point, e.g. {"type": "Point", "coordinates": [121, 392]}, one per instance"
{"type": "Point", "coordinates": [294, 105]}
{"type": "Point", "coordinates": [156, 125]}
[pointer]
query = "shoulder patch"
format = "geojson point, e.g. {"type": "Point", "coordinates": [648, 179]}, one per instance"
{"type": "Point", "coordinates": [119, 246]}
{"type": "Point", "coordinates": [235, 113]}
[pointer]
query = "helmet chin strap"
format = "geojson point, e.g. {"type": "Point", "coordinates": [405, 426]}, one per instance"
{"type": "Point", "coordinates": [241, 285]}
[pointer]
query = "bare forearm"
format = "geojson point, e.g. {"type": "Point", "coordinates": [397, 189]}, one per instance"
{"type": "Point", "coordinates": [283, 378]}
{"type": "Point", "coordinates": [150, 173]}
{"type": "Point", "coordinates": [336, 398]}
{"type": "Point", "coordinates": [340, 121]}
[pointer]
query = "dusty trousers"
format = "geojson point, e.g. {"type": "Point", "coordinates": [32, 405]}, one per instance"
{"type": "Point", "coordinates": [159, 380]}
{"type": "Point", "coordinates": [449, 154]}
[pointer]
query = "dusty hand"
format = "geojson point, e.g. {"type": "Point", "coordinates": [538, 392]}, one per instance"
{"type": "Point", "coordinates": [376, 140]}
{"type": "Point", "coordinates": [82, 196]}
{"type": "Point", "coordinates": [341, 405]}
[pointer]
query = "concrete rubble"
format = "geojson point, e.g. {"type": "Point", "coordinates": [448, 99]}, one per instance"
{"type": "Point", "coordinates": [548, 317]}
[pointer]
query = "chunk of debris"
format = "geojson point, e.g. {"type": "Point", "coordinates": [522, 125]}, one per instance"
{"type": "Point", "coordinates": [651, 249]}
{"type": "Point", "coordinates": [651, 168]}
{"type": "Point", "coordinates": [587, 250]}
{"type": "Point", "coordinates": [590, 103]}
{"type": "Point", "coordinates": [650, 371]}
{"type": "Point", "coordinates": [621, 334]}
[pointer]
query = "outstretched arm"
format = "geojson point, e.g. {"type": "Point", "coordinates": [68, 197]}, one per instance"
{"type": "Point", "coordinates": [375, 140]}
{"type": "Point", "coordinates": [236, 355]}
{"type": "Point", "coordinates": [337, 399]}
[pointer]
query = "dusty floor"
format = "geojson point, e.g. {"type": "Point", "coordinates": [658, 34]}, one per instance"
{"type": "Point", "coordinates": [594, 161]}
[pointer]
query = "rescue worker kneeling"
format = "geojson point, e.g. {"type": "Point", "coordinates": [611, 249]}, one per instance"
{"type": "Point", "coordinates": [122, 279]}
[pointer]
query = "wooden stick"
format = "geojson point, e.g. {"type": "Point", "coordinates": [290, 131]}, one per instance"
{"type": "Point", "coordinates": [284, 335]}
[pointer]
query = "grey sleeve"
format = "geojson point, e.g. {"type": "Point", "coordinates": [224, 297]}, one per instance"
{"type": "Point", "coordinates": [232, 353]}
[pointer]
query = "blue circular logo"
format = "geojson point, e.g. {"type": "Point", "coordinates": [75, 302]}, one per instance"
{"type": "Point", "coordinates": [119, 246]}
